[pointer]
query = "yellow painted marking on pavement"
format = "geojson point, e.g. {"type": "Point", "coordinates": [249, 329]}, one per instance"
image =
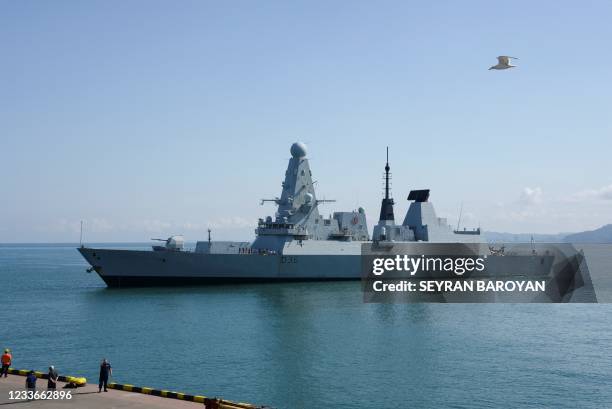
{"type": "Point", "coordinates": [145, 390]}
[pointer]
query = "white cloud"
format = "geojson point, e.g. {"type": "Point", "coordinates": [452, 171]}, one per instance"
{"type": "Point", "coordinates": [602, 193]}
{"type": "Point", "coordinates": [96, 225]}
{"type": "Point", "coordinates": [62, 226]}
{"type": "Point", "coordinates": [99, 226]}
{"type": "Point", "coordinates": [531, 196]}
{"type": "Point", "coordinates": [165, 227]}
{"type": "Point", "coordinates": [155, 226]}
{"type": "Point", "coordinates": [533, 212]}
{"type": "Point", "coordinates": [231, 222]}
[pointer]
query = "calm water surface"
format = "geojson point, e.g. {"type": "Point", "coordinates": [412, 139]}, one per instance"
{"type": "Point", "coordinates": [302, 345]}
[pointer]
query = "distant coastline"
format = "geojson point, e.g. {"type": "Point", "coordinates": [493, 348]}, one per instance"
{"type": "Point", "coordinates": [600, 235]}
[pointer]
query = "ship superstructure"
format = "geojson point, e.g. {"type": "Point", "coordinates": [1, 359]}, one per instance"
{"type": "Point", "coordinates": [296, 243]}
{"type": "Point", "coordinates": [297, 218]}
{"type": "Point", "coordinates": [421, 222]}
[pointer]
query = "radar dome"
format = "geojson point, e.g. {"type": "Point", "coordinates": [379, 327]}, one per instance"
{"type": "Point", "coordinates": [298, 150]}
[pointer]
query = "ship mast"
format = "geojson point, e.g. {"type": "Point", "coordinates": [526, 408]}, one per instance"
{"type": "Point", "coordinates": [386, 207]}
{"type": "Point", "coordinates": [387, 169]}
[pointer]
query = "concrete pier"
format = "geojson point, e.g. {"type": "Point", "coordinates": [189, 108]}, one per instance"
{"type": "Point", "coordinates": [88, 397]}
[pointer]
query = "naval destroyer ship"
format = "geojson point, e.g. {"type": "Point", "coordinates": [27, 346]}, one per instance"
{"type": "Point", "coordinates": [298, 243]}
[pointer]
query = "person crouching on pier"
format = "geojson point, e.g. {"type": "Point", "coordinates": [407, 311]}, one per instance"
{"type": "Point", "coordinates": [7, 360]}
{"type": "Point", "coordinates": [105, 371]}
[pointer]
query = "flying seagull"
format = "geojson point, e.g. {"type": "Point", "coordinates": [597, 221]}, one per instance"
{"type": "Point", "coordinates": [503, 63]}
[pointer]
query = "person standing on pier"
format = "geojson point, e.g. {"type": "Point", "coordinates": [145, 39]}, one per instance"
{"type": "Point", "coordinates": [52, 380]}
{"type": "Point", "coordinates": [105, 371]}
{"type": "Point", "coordinates": [7, 360]}
{"type": "Point", "coordinates": [31, 385]}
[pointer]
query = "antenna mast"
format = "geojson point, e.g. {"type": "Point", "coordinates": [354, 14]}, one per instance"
{"type": "Point", "coordinates": [460, 212]}
{"type": "Point", "coordinates": [387, 168]}
{"type": "Point", "coordinates": [81, 238]}
{"type": "Point", "coordinates": [386, 207]}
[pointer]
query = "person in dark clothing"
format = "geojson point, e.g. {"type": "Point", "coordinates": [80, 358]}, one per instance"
{"type": "Point", "coordinates": [52, 380]}
{"type": "Point", "coordinates": [31, 383]}
{"type": "Point", "coordinates": [105, 371]}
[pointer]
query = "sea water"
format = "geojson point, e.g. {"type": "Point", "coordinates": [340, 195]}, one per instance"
{"type": "Point", "coordinates": [303, 345]}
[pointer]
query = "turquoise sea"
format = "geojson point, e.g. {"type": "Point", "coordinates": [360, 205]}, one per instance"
{"type": "Point", "coordinates": [309, 345]}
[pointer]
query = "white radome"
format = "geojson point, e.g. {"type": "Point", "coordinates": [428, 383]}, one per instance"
{"type": "Point", "coordinates": [298, 150]}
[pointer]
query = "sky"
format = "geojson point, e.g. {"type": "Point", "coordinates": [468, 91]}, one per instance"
{"type": "Point", "coordinates": [151, 118]}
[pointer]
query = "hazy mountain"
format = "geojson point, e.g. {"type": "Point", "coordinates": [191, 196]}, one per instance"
{"type": "Point", "coordinates": [496, 237]}
{"type": "Point", "coordinates": [601, 235]}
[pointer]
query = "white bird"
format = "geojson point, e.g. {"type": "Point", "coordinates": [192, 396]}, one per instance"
{"type": "Point", "coordinates": [503, 63]}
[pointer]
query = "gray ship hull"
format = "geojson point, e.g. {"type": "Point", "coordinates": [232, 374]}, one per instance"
{"type": "Point", "coordinates": [129, 268]}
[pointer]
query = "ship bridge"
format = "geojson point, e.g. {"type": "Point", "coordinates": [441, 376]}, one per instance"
{"type": "Point", "coordinates": [297, 215]}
